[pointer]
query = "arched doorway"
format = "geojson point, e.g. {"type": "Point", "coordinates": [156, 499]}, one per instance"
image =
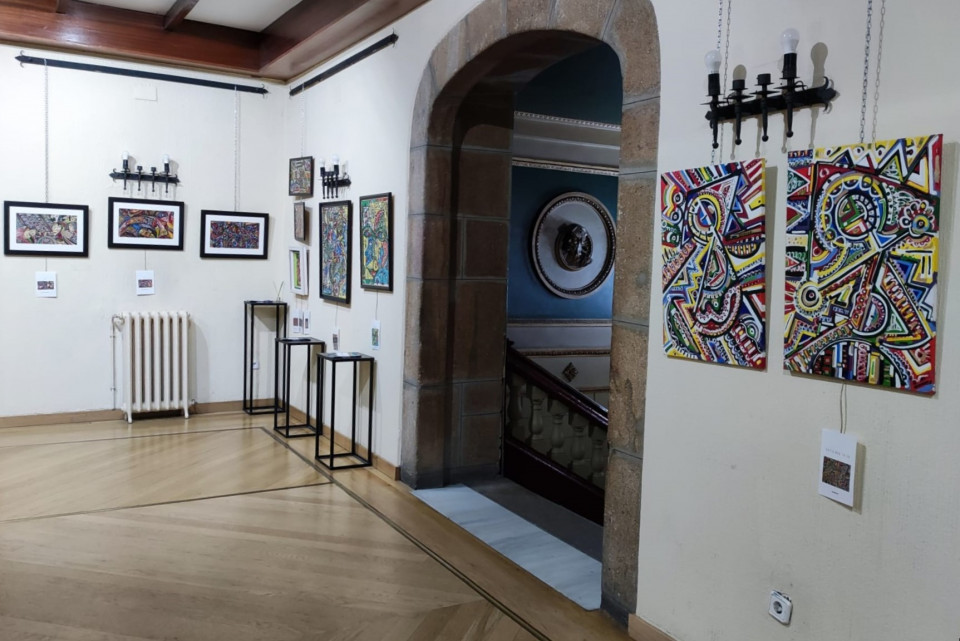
{"type": "Point", "coordinates": [457, 257]}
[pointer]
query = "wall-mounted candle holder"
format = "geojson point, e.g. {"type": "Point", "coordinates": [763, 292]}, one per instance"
{"type": "Point", "coordinates": [153, 176]}
{"type": "Point", "coordinates": [790, 96]}
{"type": "Point", "coordinates": [331, 178]}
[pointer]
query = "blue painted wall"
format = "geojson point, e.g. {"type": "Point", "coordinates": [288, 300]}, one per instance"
{"type": "Point", "coordinates": [527, 298]}
{"type": "Point", "coordinates": [586, 87]}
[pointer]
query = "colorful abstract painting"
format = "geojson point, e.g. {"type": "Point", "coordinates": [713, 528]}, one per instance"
{"type": "Point", "coordinates": [145, 223]}
{"type": "Point", "coordinates": [137, 223]}
{"type": "Point", "coordinates": [862, 262]}
{"type": "Point", "coordinates": [229, 234]}
{"type": "Point", "coordinates": [376, 238]}
{"type": "Point", "coordinates": [336, 223]}
{"type": "Point", "coordinates": [301, 176]}
{"type": "Point", "coordinates": [45, 229]}
{"type": "Point", "coordinates": [714, 280]}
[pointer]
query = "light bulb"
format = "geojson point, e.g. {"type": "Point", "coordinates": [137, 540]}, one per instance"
{"type": "Point", "coordinates": [336, 160]}
{"type": "Point", "coordinates": [322, 164]}
{"type": "Point", "coordinates": [789, 40]}
{"type": "Point", "coordinates": [125, 155]}
{"type": "Point", "coordinates": [166, 159]}
{"type": "Point", "coordinates": [712, 61]}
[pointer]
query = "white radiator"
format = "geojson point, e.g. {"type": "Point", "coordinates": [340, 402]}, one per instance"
{"type": "Point", "coordinates": [155, 362]}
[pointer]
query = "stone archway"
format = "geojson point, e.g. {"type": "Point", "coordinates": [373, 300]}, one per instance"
{"type": "Point", "coordinates": [456, 271]}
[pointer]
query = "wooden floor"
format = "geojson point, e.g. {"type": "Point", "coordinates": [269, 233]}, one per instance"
{"type": "Point", "coordinates": [214, 529]}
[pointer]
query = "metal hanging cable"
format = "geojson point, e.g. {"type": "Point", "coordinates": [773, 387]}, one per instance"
{"type": "Point", "coordinates": [866, 71]}
{"type": "Point", "coordinates": [876, 82]}
{"type": "Point", "coordinates": [236, 151]}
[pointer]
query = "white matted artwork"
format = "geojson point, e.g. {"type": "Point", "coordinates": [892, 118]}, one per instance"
{"type": "Point", "coordinates": [138, 223]}
{"type": "Point", "coordinates": [46, 284]}
{"type": "Point", "coordinates": [838, 466]}
{"type": "Point", "coordinates": [298, 270]}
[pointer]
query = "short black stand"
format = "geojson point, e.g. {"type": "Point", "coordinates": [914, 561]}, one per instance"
{"type": "Point", "coordinates": [249, 317]}
{"type": "Point", "coordinates": [283, 392]}
{"type": "Point", "coordinates": [329, 461]}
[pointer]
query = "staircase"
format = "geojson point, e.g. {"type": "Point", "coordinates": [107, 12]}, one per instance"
{"type": "Point", "coordinates": [555, 438]}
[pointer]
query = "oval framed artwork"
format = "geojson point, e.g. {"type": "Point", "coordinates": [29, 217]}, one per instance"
{"type": "Point", "coordinates": [573, 245]}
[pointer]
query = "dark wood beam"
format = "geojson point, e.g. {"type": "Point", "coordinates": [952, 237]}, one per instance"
{"type": "Point", "coordinates": [178, 13]}
{"type": "Point", "coordinates": [304, 20]}
{"type": "Point", "coordinates": [111, 31]}
{"type": "Point", "coordinates": [313, 34]}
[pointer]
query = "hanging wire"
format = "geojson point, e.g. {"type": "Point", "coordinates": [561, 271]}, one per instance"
{"type": "Point", "coordinates": [713, 151]}
{"type": "Point", "coordinates": [726, 65]}
{"type": "Point", "coordinates": [843, 408]}
{"type": "Point", "coordinates": [236, 150]}
{"type": "Point", "coordinates": [46, 132]}
{"type": "Point", "coordinates": [876, 82]}
{"type": "Point", "coordinates": [866, 71]}
{"type": "Point", "coordinates": [303, 122]}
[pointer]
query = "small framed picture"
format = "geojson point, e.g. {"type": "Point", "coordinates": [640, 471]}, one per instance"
{"type": "Point", "coordinates": [42, 229]}
{"type": "Point", "coordinates": [301, 176]}
{"type": "Point", "coordinates": [229, 234]}
{"type": "Point", "coordinates": [376, 242]}
{"type": "Point", "coordinates": [336, 229]}
{"type": "Point", "coordinates": [298, 270]}
{"type": "Point", "coordinates": [301, 224]}
{"type": "Point", "coordinates": [136, 223]}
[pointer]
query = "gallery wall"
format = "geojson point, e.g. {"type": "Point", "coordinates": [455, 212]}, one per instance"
{"type": "Point", "coordinates": [364, 115]}
{"type": "Point", "coordinates": [730, 509]}
{"type": "Point", "coordinates": [56, 353]}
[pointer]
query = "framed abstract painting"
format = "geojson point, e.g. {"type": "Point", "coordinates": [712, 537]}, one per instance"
{"type": "Point", "coordinates": [301, 223]}
{"type": "Point", "coordinates": [42, 229]}
{"type": "Point", "coordinates": [713, 239]}
{"type": "Point", "coordinates": [299, 261]}
{"type": "Point", "coordinates": [336, 229]}
{"type": "Point", "coordinates": [136, 223]}
{"type": "Point", "coordinates": [228, 234]}
{"type": "Point", "coordinates": [376, 242]}
{"type": "Point", "coordinates": [863, 247]}
{"type": "Point", "coordinates": [301, 176]}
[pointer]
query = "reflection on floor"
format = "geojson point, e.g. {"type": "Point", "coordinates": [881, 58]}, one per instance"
{"type": "Point", "coordinates": [558, 564]}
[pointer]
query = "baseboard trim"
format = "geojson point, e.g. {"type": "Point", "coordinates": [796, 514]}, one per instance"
{"type": "Point", "coordinates": [340, 440]}
{"type": "Point", "coordinates": [40, 420]}
{"type": "Point", "coordinates": [640, 630]}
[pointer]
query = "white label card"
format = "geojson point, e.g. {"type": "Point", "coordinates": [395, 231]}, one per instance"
{"type": "Point", "coordinates": [375, 334]}
{"type": "Point", "coordinates": [46, 284]}
{"type": "Point", "coordinates": [838, 466]}
{"type": "Point", "coordinates": [146, 285]}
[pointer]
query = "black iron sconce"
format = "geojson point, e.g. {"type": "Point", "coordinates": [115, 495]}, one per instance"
{"type": "Point", "coordinates": [331, 178]}
{"type": "Point", "coordinates": [790, 96]}
{"type": "Point", "coordinates": [153, 176]}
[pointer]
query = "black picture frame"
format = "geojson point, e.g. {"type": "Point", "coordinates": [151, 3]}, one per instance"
{"type": "Point", "coordinates": [301, 176]}
{"type": "Point", "coordinates": [14, 247]}
{"type": "Point", "coordinates": [366, 282]}
{"type": "Point", "coordinates": [329, 255]}
{"type": "Point", "coordinates": [209, 250]}
{"type": "Point", "coordinates": [119, 234]}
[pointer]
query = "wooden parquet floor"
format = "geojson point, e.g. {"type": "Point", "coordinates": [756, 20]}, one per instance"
{"type": "Point", "coordinates": [179, 532]}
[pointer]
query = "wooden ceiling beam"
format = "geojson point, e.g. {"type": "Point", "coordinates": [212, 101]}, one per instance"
{"type": "Point", "coordinates": [178, 13]}
{"type": "Point", "coordinates": [303, 21]}
{"type": "Point", "coordinates": [111, 31]}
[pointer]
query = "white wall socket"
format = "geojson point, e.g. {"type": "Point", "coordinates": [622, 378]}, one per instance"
{"type": "Point", "coordinates": [781, 607]}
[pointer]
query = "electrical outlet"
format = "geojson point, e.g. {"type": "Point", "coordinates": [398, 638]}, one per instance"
{"type": "Point", "coordinates": [256, 364]}
{"type": "Point", "coordinates": [781, 607]}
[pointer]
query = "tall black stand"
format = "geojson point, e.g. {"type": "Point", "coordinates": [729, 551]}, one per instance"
{"type": "Point", "coordinates": [250, 308]}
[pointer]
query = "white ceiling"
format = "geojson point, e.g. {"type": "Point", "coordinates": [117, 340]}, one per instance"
{"type": "Point", "coordinates": [253, 15]}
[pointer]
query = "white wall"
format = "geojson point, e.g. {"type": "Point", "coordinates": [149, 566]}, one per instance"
{"type": "Point", "coordinates": [55, 354]}
{"type": "Point", "coordinates": [365, 115]}
{"type": "Point", "coordinates": [730, 508]}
